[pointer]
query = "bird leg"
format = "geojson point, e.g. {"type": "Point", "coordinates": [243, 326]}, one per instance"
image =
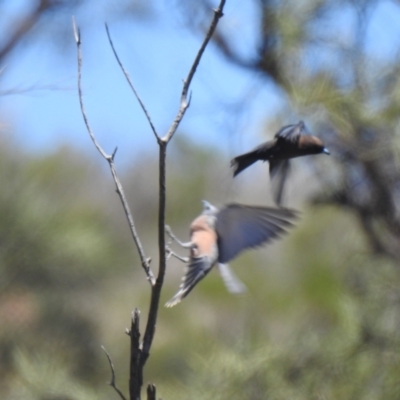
{"type": "Point", "coordinates": [185, 245]}
{"type": "Point", "coordinates": [173, 254]}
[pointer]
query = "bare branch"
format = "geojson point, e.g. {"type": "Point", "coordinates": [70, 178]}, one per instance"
{"type": "Point", "coordinates": [156, 289]}
{"type": "Point", "coordinates": [136, 368]}
{"type": "Point", "coordinates": [112, 382]}
{"type": "Point", "coordinates": [151, 391]}
{"type": "Point", "coordinates": [218, 13]}
{"type": "Point", "coordinates": [141, 352]}
{"type": "Point", "coordinates": [110, 159]}
{"type": "Point", "coordinates": [131, 85]}
{"type": "Point", "coordinates": [77, 36]}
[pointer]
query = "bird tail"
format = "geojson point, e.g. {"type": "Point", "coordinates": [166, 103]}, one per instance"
{"type": "Point", "coordinates": [175, 300]}
{"type": "Point", "coordinates": [232, 282]}
{"type": "Point", "coordinates": [240, 163]}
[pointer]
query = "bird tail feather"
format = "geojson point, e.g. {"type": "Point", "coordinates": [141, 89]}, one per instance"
{"type": "Point", "coordinates": [242, 162]}
{"type": "Point", "coordinates": [175, 300]}
{"type": "Point", "coordinates": [232, 282]}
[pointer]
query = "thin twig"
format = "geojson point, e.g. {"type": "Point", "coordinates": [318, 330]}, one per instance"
{"type": "Point", "coordinates": [112, 382]}
{"type": "Point", "coordinates": [77, 35]}
{"type": "Point", "coordinates": [110, 159]}
{"type": "Point", "coordinates": [37, 87]}
{"type": "Point", "coordinates": [218, 13]}
{"type": "Point", "coordinates": [131, 85]}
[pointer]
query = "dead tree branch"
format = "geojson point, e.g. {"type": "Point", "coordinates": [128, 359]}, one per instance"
{"type": "Point", "coordinates": [151, 391]}
{"type": "Point", "coordinates": [110, 159]}
{"type": "Point", "coordinates": [136, 370]}
{"type": "Point", "coordinates": [140, 351]}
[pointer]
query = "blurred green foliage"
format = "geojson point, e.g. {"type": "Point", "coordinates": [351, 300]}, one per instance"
{"type": "Point", "coordinates": [56, 248]}
{"type": "Point", "coordinates": [320, 319]}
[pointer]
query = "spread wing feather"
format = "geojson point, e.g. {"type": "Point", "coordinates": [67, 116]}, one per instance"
{"type": "Point", "coordinates": [241, 227]}
{"type": "Point", "coordinates": [291, 133]}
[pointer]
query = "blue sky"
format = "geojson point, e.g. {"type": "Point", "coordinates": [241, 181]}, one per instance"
{"type": "Point", "coordinates": [158, 53]}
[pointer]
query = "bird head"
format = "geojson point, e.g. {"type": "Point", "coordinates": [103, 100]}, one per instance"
{"type": "Point", "coordinates": [208, 208]}
{"type": "Point", "coordinates": [312, 145]}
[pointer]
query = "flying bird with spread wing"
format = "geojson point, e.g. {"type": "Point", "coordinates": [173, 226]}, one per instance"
{"type": "Point", "coordinates": [289, 142]}
{"type": "Point", "coordinates": [219, 235]}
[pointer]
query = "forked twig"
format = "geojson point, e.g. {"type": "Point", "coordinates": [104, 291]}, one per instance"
{"type": "Point", "coordinates": [110, 159]}
{"type": "Point", "coordinates": [112, 382]}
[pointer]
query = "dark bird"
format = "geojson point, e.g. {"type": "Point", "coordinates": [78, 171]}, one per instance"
{"type": "Point", "coordinates": [218, 236]}
{"type": "Point", "coordinates": [289, 142]}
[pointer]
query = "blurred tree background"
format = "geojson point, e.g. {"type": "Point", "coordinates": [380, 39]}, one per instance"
{"type": "Point", "coordinates": [321, 319]}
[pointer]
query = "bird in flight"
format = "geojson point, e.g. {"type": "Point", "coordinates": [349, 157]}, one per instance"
{"type": "Point", "coordinates": [219, 235]}
{"type": "Point", "coordinates": [290, 142]}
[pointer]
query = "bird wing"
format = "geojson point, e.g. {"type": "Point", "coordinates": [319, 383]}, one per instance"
{"type": "Point", "coordinates": [232, 282]}
{"type": "Point", "coordinates": [197, 269]}
{"type": "Point", "coordinates": [279, 171]}
{"type": "Point", "coordinates": [240, 227]}
{"type": "Point", "coordinates": [290, 133]}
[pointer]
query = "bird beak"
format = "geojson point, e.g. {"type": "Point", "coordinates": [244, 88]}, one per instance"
{"type": "Point", "coordinates": [326, 151]}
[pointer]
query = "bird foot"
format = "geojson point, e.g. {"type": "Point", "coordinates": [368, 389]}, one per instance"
{"type": "Point", "coordinates": [170, 253]}
{"type": "Point", "coordinates": [168, 231]}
